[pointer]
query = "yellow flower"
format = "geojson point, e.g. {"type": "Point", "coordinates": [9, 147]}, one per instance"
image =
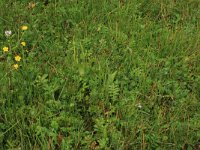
{"type": "Point", "coordinates": [16, 66]}
{"type": "Point", "coordinates": [5, 49]}
{"type": "Point", "coordinates": [17, 58]}
{"type": "Point", "coordinates": [23, 43]}
{"type": "Point", "coordinates": [24, 28]}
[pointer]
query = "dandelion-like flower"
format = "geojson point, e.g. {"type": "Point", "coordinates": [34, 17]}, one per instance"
{"type": "Point", "coordinates": [17, 58]}
{"type": "Point", "coordinates": [24, 28]}
{"type": "Point", "coordinates": [16, 66]}
{"type": "Point", "coordinates": [23, 43]}
{"type": "Point", "coordinates": [8, 33]}
{"type": "Point", "coordinates": [5, 49]}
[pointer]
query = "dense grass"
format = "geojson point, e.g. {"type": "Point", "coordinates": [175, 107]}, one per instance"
{"type": "Point", "coordinates": [100, 74]}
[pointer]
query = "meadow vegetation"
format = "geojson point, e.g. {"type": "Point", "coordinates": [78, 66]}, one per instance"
{"type": "Point", "coordinates": [100, 74]}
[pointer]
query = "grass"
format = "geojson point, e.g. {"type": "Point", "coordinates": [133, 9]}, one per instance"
{"type": "Point", "coordinates": [100, 74]}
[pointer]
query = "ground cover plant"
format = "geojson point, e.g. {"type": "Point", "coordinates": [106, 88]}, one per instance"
{"type": "Point", "coordinates": [100, 74]}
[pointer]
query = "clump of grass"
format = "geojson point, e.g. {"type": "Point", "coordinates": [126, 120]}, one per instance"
{"type": "Point", "coordinates": [99, 75]}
